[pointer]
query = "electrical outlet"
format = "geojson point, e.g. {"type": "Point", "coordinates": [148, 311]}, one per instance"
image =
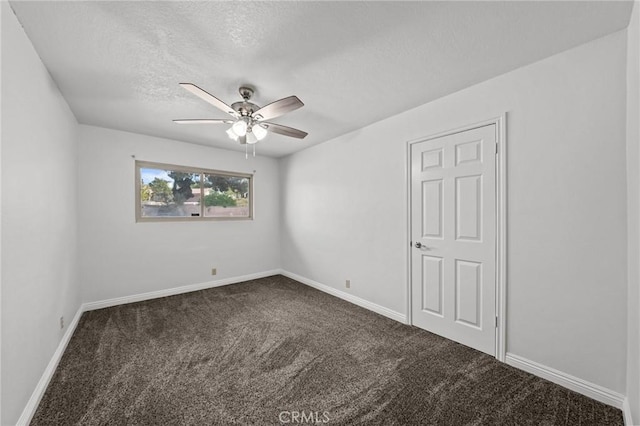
{"type": "Point", "coordinates": [61, 322]}
{"type": "Point", "coordinates": [214, 271]}
{"type": "Point", "coordinates": [347, 284]}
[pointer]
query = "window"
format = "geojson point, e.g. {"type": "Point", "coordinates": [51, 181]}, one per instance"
{"type": "Point", "coordinates": [165, 192]}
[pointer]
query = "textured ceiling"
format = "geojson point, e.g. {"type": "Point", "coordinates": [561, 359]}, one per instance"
{"type": "Point", "coordinates": [119, 63]}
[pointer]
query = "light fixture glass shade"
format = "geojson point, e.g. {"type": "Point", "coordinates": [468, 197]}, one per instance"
{"type": "Point", "coordinates": [240, 127]}
{"type": "Point", "coordinates": [232, 135]}
{"type": "Point", "coordinates": [251, 138]}
{"type": "Point", "coordinates": [259, 131]}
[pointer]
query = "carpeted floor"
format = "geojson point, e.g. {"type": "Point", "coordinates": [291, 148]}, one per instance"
{"type": "Point", "coordinates": [274, 350]}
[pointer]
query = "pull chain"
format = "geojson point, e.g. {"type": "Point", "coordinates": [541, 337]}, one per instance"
{"type": "Point", "coordinates": [246, 152]}
{"type": "Point", "coordinates": [254, 149]}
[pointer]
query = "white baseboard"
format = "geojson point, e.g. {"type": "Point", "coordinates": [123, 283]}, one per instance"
{"type": "Point", "coordinates": [41, 387]}
{"type": "Point", "coordinates": [348, 297]}
{"type": "Point", "coordinates": [91, 306]}
{"type": "Point", "coordinates": [576, 384]}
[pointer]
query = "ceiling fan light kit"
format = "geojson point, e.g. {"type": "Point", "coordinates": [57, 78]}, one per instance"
{"type": "Point", "coordinates": [248, 125]}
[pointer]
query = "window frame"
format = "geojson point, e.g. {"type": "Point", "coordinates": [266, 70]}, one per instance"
{"type": "Point", "coordinates": [187, 169]}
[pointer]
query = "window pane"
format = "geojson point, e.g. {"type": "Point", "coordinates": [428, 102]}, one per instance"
{"type": "Point", "coordinates": [226, 196]}
{"type": "Point", "coordinates": [169, 193]}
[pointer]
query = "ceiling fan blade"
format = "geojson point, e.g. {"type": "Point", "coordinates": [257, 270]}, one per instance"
{"type": "Point", "coordinates": [203, 121]}
{"type": "Point", "coordinates": [209, 98]}
{"type": "Point", "coordinates": [278, 108]}
{"type": "Point", "coordinates": [284, 130]}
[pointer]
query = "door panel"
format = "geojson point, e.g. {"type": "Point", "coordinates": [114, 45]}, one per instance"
{"type": "Point", "coordinates": [432, 210]}
{"type": "Point", "coordinates": [432, 284]}
{"type": "Point", "coordinates": [468, 208]}
{"type": "Point", "coordinates": [468, 292]}
{"type": "Point", "coordinates": [469, 152]}
{"type": "Point", "coordinates": [453, 218]}
{"type": "Point", "coordinates": [432, 159]}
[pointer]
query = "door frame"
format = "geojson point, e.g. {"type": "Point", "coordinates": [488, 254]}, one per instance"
{"type": "Point", "coordinates": [501, 223]}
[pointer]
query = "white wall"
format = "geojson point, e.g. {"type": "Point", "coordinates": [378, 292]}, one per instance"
{"type": "Point", "coordinates": [344, 206]}
{"type": "Point", "coordinates": [119, 257]}
{"type": "Point", "coordinates": [633, 217]}
{"type": "Point", "coordinates": [39, 282]}
{"type": "Point", "coordinates": [2, 11]}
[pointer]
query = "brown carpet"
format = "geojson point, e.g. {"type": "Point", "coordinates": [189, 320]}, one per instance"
{"type": "Point", "coordinates": [273, 349]}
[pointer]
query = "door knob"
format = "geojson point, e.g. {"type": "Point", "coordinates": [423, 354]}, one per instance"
{"type": "Point", "coordinates": [418, 245]}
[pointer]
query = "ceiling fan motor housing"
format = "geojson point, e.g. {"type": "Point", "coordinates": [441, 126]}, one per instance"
{"type": "Point", "coordinates": [244, 107]}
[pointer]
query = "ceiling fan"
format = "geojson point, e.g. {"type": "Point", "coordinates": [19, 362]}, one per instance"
{"type": "Point", "coordinates": [248, 122]}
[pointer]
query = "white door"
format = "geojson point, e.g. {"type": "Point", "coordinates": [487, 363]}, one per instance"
{"type": "Point", "coordinates": [453, 233]}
